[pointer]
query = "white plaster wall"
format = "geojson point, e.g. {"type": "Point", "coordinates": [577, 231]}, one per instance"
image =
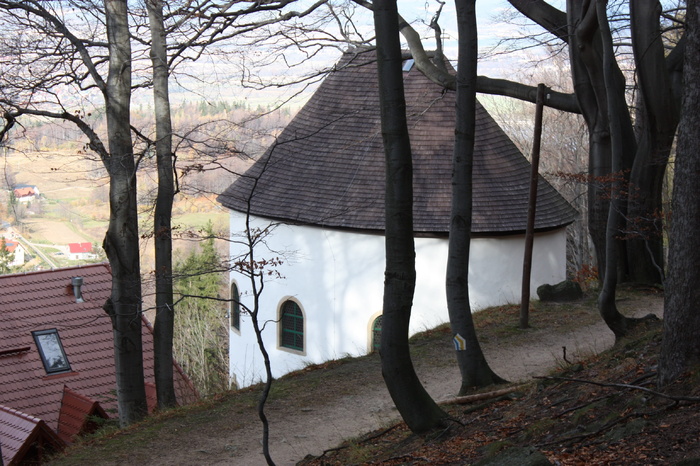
{"type": "Point", "coordinates": [19, 256]}
{"type": "Point", "coordinates": [337, 279]}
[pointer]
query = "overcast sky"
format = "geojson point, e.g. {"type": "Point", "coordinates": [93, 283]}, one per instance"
{"type": "Point", "coordinates": [491, 25]}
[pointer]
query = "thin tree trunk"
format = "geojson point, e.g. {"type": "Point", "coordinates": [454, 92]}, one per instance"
{"type": "Point", "coordinates": [472, 364]}
{"type": "Point", "coordinates": [681, 336]}
{"type": "Point", "coordinates": [417, 408]}
{"type": "Point", "coordinates": [162, 233]}
{"type": "Point", "coordinates": [121, 242]}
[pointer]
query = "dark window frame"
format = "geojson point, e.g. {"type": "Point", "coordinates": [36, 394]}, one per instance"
{"type": "Point", "coordinates": [61, 363]}
{"type": "Point", "coordinates": [291, 335]}
{"type": "Point", "coordinates": [235, 307]}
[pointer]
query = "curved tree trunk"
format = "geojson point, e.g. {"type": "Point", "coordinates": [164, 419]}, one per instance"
{"type": "Point", "coordinates": [121, 242]}
{"type": "Point", "coordinates": [162, 234]}
{"type": "Point", "coordinates": [606, 301]}
{"type": "Point", "coordinates": [415, 405]}
{"type": "Point", "coordinates": [597, 95]}
{"type": "Point", "coordinates": [681, 346]}
{"type": "Point", "coordinates": [660, 115]}
{"type": "Point", "coordinates": [470, 358]}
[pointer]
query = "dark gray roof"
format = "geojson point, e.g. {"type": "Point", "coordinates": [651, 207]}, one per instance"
{"type": "Point", "coordinates": [327, 167]}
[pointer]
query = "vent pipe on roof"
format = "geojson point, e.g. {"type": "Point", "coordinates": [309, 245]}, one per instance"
{"type": "Point", "coordinates": [77, 282]}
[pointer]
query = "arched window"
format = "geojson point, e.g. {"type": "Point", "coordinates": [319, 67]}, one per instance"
{"type": "Point", "coordinates": [235, 308]}
{"type": "Point", "coordinates": [291, 326]}
{"type": "Point", "coordinates": [377, 334]}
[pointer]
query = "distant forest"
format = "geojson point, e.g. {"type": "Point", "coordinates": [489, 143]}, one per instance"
{"type": "Point", "coordinates": [234, 120]}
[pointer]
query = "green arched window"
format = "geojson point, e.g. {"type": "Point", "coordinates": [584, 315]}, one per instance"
{"type": "Point", "coordinates": [376, 334]}
{"type": "Point", "coordinates": [291, 326]}
{"type": "Point", "coordinates": [235, 307]}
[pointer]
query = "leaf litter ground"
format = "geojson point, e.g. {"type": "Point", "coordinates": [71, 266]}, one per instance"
{"type": "Point", "coordinates": [313, 410]}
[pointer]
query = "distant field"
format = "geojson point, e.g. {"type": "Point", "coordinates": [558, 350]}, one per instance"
{"type": "Point", "coordinates": [75, 206]}
{"type": "Point", "coordinates": [54, 232]}
{"type": "Point", "coordinates": [57, 175]}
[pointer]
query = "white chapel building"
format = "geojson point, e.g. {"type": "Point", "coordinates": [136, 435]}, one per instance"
{"type": "Point", "coordinates": [320, 190]}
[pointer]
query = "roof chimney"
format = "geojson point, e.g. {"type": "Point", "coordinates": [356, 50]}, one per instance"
{"type": "Point", "coordinates": [77, 282]}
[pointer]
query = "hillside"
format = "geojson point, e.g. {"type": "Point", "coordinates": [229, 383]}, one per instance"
{"type": "Point", "coordinates": [73, 204]}
{"type": "Point", "coordinates": [315, 409]}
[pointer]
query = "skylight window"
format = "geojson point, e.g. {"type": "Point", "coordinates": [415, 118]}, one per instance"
{"type": "Point", "coordinates": [51, 350]}
{"type": "Point", "coordinates": [408, 64]}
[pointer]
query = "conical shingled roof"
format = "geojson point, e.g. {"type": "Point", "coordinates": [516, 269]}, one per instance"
{"type": "Point", "coordinates": [327, 167]}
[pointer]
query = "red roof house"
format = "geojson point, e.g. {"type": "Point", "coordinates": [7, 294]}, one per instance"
{"type": "Point", "coordinates": [57, 356]}
{"type": "Point", "coordinates": [78, 251]}
{"type": "Point", "coordinates": [24, 194]}
{"type": "Point", "coordinates": [14, 248]}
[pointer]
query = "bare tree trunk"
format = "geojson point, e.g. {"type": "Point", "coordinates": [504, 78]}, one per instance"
{"type": "Point", "coordinates": [417, 408]}
{"type": "Point", "coordinates": [606, 301]}
{"type": "Point", "coordinates": [660, 117]}
{"type": "Point", "coordinates": [681, 346]}
{"type": "Point", "coordinates": [644, 157]}
{"type": "Point", "coordinates": [470, 358]}
{"type": "Point", "coordinates": [162, 233]}
{"type": "Point", "coordinates": [121, 242]}
{"type": "Point", "coordinates": [596, 95]}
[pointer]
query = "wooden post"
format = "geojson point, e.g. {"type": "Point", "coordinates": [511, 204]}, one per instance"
{"type": "Point", "coordinates": [531, 210]}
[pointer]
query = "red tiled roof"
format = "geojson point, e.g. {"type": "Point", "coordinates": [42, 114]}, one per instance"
{"type": "Point", "coordinates": [44, 300]}
{"type": "Point", "coordinates": [9, 245]}
{"type": "Point", "coordinates": [23, 192]}
{"type": "Point", "coordinates": [76, 415]}
{"type": "Point", "coordinates": [24, 438]}
{"type": "Point", "coordinates": [327, 167]}
{"type": "Point", "coordinates": [77, 248]}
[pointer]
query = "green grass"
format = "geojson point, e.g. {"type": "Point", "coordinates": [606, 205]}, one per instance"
{"type": "Point", "coordinates": [200, 219]}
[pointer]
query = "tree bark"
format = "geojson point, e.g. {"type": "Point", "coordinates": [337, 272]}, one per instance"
{"type": "Point", "coordinates": [121, 242]}
{"type": "Point", "coordinates": [660, 117]}
{"type": "Point", "coordinates": [680, 347]}
{"type": "Point", "coordinates": [606, 301]}
{"type": "Point", "coordinates": [472, 364]}
{"type": "Point", "coordinates": [416, 407]}
{"type": "Point", "coordinates": [645, 155]}
{"type": "Point", "coordinates": [162, 233]}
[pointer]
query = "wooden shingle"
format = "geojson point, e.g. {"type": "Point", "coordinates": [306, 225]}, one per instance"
{"type": "Point", "coordinates": [327, 167]}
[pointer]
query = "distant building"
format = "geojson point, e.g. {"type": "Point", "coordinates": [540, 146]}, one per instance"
{"type": "Point", "coordinates": [15, 248]}
{"type": "Point", "coordinates": [25, 193]}
{"type": "Point", "coordinates": [80, 251]}
{"type": "Point", "coordinates": [57, 372]}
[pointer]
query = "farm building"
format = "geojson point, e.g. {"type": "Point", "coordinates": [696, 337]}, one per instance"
{"type": "Point", "coordinates": [17, 251]}
{"type": "Point", "coordinates": [80, 251]}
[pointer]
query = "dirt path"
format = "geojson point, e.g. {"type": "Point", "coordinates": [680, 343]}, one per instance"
{"type": "Point", "coordinates": [310, 426]}
{"type": "Point", "coordinates": [319, 408]}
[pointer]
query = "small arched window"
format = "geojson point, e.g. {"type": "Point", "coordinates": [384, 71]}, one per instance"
{"type": "Point", "coordinates": [291, 326]}
{"type": "Point", "coordinates": [377, 334]}
{"type": "Point", "coordinates": [235, 307]}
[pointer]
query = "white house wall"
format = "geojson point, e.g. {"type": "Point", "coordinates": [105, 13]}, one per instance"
{"type": "Point", "coordinates": [337, 279]}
